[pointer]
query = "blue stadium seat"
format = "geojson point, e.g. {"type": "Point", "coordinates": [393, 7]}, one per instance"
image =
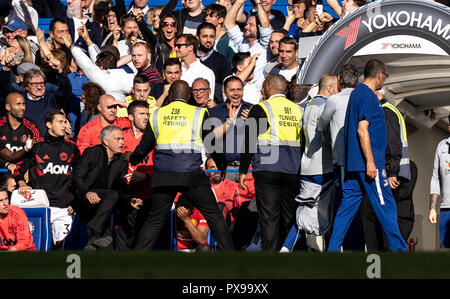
{"type": "Point", "coordinates": [78, 235]}
{"type": "Point", "coordinates": [40, 227]}
{"type": "Point", "coordinates": [44, 24]}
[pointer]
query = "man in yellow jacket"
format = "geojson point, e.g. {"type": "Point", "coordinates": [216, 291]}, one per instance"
{"type": "Point", "coordinates": [141, 90]}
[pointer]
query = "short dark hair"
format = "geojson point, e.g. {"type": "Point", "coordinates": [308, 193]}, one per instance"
{"type": "Point", "coordinates": [204, 25]}
{"type": "Point", "coordinates": [238, 59]}
{"type": "Point", "coordinates": [230, 79]}
{"type": "Point", "coordinates": [373, 67]}
{"type": "Point", "coordinates": [360, 3]}
{"type": "Point", "coordinates": [140, 79]}
{"type": "Point", "coordinates": [183, 201]}
{"type": "Point", "coordinates": [289, 41]}
{"type": "Point", "coordinates": [280, 31]}
{"type": "Point", "coordinates": [172, 61]}
{"type": "Point", "coordinates": [107, 60]}
{"type": "Point", "coordinates": [215, 10]}
{"type": "Point", "coordinates": [54, 21]}
{"type": "Point", "coordinates": [50, 116]}
{"type": "Point", "coordinates": [190, 39]}
{"type": "Point", "coordinates": [348, 76]}
{"type": "Point", "coordinates": [4, 181]}
{"type": "Point", "coordinates": [127, 18]}
{"type": "Point", "coordinates": [136, 104]}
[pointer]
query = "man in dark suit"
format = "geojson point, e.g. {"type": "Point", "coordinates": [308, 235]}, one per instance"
{"type": "Point", "coordinates": [100, 181]}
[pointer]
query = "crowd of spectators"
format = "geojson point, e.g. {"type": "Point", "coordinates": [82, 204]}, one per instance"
{"type": "Point", "coordinates": [86, 91]}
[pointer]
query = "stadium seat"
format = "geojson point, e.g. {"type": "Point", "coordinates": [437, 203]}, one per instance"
{"type": "Point", "coordinates": [40, 227]}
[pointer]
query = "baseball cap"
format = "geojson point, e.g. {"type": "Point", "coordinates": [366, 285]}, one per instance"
{"type": "Point", "coordinates": [26, 66]}
{"type": "Point", "coordinates": [16, 24]}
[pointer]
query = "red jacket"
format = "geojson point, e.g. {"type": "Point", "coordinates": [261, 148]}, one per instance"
{"type": "Point", "coordinates": [90, 133]}
{"type": "Point", "coordinates": [15, 232]}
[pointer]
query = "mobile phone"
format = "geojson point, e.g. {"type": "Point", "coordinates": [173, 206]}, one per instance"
{"type": "Point", "coordinates": [319, 9]}
{"type": "Point", "coordinates": [18, 57]}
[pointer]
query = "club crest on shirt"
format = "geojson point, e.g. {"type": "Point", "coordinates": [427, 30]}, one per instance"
{"type": "Point", "coordinates": [383, 173]}
{"type": "Point", "coordinates": [63, 156]}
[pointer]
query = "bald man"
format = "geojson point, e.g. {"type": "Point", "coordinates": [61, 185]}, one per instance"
{"type": "Point", "coordinates": [318, 157]}
{"type": "Point", "coordinates": [177, 130]}
{"type": "Point", "coordinates": [275, 159]}
{"type": "Point", "coordinates": [14, 128]}
{"type": "Point", "coordinates": [90, 133]}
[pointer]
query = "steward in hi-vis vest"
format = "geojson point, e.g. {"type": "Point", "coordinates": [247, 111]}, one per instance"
{"type": "Point", "coordinates": [275, 158]}
{"type": "Point", "coordinates": [402, 168]}
{"type": "Point", "coordinates": [176, 131]}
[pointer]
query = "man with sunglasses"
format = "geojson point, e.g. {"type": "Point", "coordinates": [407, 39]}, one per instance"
{"type": "Point", "coordinates": [186, 46]}
{"type": "Point", "coordinates": [90, 133]}
{"type": "Point", "coordinates": [365, 141]}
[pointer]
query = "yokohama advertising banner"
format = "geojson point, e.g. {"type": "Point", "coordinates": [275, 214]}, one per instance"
{"type": "Point", "coordinates": [383, 27]}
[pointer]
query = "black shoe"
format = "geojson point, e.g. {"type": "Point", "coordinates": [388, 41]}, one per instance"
{"type": "Point", "coordinates": [98, 242]}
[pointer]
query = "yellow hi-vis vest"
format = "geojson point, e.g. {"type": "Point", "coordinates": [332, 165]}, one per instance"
{"type": "Point", "coordinates": [405, 170]}
{"type": "Point", "coordinates": [178, 129]}
{"type": "Point", "coordinates": [283, 135]}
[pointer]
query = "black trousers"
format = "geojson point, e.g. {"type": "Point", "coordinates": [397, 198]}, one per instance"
{"type": "Point", "coordinates": [98, 216]}
{"type": "Point", "coordinates": [275, 198]}
{"type": "Point", "coordinates": [373, 234]}
{"type": "Point", "coordinates": [201, 197]}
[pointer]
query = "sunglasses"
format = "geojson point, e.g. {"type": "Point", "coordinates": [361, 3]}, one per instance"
{"type": "Point", "coordinates": [180, 45]}
{"type": "Point", "coordinates": [171, 24]}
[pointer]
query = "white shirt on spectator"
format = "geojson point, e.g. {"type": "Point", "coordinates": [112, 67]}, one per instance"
{"type": "Point", "coordinates": [252, 94]}
{"type": "Point", "coordinates": [260, 46]}
{"type": "Point", "coordinates": [116, 82]}
{"type": "Point", "coordinates": [198, 70]}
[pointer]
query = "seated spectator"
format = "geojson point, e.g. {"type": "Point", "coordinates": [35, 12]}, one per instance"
{"type": "Point", "coordinates": [172, 72]}
{"type": "Point", "coordinates": [8, 183]}
{"type": "Point", "coordinates": [186, 46]}
{"type": "Point", "coordinates": [90, 133]}
{"type": "Point", "coordinates": [201, 92]}
{"type": "Point", "coordinates": [225, 190]}
{"type": "Point", "coordinates": [101, 186]}
{"type": "Point", "coordinates": [15, 232]}
{"type": "Point", "coordinates": [191, 227]}
{"type": "Point", "coordinates": [15, 128]}
{"type": "Point", "coordinates": [141, 92]}
{"type": "Point", "coordinates": [255, 37]}
{"type": "Point", "coordinates": [287, 56]}
{"type": "Point", "coordinates": [49, 168]}
{"type": "Point", "coordinates": [206, 34]}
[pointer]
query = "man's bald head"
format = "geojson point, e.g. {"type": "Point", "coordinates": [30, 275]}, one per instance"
{"type": "Point", "coordinates": [328, 85]}
{"type": "Point", "coordinates": [107, 107]}
{"type": "Point", "coordinates": [274, 84]}
{"type": "Point", "coordinates": [13, 97]}
{"type": "Point", "coordinates": [15, 105]}
{"type": "Point", "coordinates": [179, 90]}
